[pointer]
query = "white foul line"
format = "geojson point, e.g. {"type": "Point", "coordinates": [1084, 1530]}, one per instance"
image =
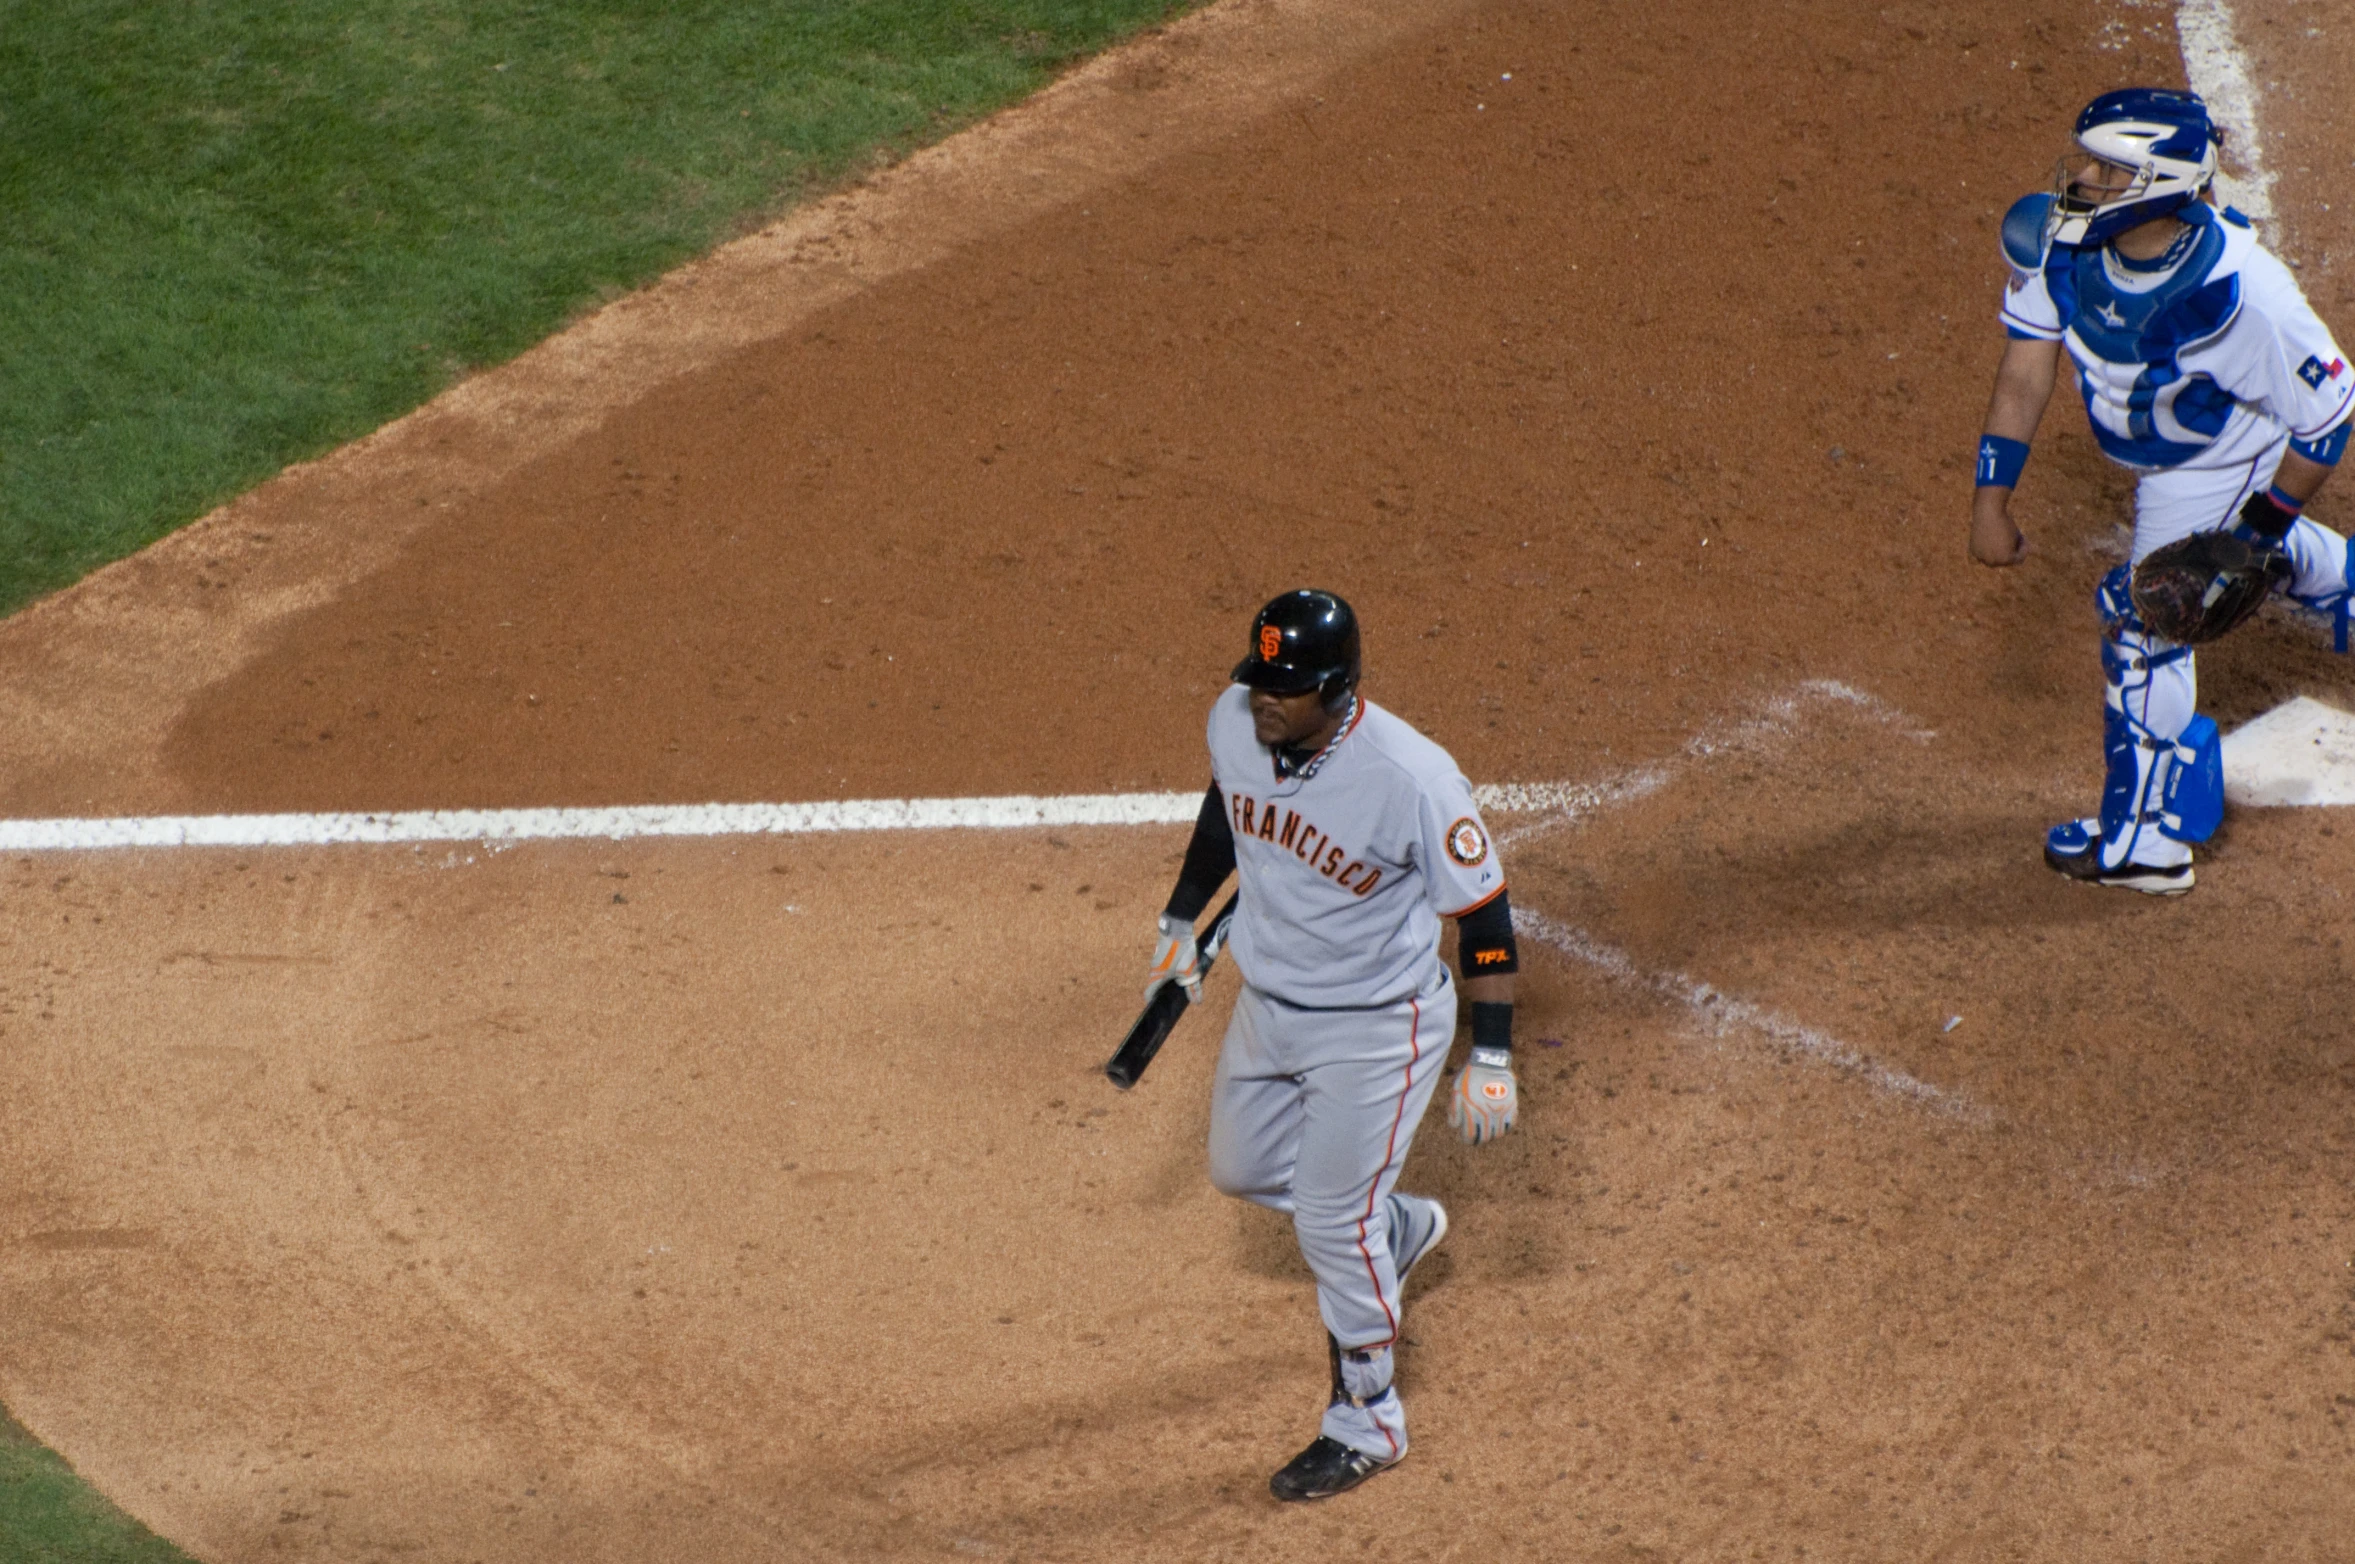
{"type": "Point", "coordinates": [615, 824]}
{"type": "Point", "coordinates": [1561, 802]}
{"type": "Point", "coordinates": [624, 822]}
{"type": "Point", "coordinates": [2219, 72]}
{"type": "Point", "coordinates": [1722, 1013]}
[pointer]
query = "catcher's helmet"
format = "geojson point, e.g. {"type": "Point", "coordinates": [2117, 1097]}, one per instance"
{"type": "Point", "coordinates": [2165, 139]}
{"type": "Point", "coordinates": [1302, 641]}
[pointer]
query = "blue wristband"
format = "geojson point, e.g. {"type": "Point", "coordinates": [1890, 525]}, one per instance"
{"type": "Point", "coordinates": [2000, 461]}
{"type": "Point", "coordinates": [2325, 451]}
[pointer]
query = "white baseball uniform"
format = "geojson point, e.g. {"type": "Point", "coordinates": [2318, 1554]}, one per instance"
{"type": "Point", "coordinates": [2197, 376]}
{"type": "Point", "coordinates": [2198, 372]}
{"type": "Point", "coordinates": [1346, 1014]}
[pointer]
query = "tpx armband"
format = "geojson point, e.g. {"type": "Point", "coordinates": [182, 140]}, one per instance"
{"type": "Point", "coordinates": [1484, 944]}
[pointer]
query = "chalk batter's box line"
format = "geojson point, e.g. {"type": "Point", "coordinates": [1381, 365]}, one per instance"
{"type": "Point", "coordinates": [657, 820]}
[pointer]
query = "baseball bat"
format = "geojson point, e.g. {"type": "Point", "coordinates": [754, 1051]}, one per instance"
{"type": "Point", "coordinates": [1161, 1012]}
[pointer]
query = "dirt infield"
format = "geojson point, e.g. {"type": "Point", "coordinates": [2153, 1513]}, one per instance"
{"type": "Point", "coordinates": [740, 1199]}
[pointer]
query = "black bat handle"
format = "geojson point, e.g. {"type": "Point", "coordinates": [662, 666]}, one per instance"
{"type": "Point", "coordinates": [1169, 1002]}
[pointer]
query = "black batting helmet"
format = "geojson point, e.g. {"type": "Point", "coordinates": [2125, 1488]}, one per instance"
{"type": "Point", "coordinates": [1302, 641]}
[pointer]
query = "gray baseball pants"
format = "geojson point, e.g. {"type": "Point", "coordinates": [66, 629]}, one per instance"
{"type": "Point", "coordinates": [1311, 1114]}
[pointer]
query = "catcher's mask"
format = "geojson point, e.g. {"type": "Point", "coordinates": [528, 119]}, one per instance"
{"type": "Point", "coordinates": [2150, 151]}
{"type": "Point", "coordinates": [1305, 640]}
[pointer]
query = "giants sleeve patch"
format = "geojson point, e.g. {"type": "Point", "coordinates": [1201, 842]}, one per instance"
{"type": "Point", "coordinates": [1467, 844]}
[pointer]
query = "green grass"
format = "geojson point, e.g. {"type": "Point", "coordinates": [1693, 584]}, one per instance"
{"type": "Point", "coordinates": [50, 1516]}
{"type": "Point", "coordinates": [237, 233]}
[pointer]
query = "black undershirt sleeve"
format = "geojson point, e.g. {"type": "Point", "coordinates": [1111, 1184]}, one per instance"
{"type": "Point", "coordinates": [1210, 858]}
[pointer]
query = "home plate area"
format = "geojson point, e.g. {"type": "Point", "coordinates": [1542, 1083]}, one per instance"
{"type": "Point", "coordinates": [2301, 752]}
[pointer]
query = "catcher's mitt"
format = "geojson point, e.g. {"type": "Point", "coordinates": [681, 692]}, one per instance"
{"type": "Point", "coordinates": [2197, 588]}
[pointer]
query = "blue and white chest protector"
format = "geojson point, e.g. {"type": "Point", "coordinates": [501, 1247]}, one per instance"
{"type": "Point", "coordinates": [2209, 362]}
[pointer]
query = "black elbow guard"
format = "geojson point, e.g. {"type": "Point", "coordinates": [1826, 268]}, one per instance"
{"type": "Point", "coordinates": [1484, 947]}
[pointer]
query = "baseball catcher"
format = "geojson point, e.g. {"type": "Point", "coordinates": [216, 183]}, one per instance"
{"type": "Point", "coordinates": [1352, 836]}
{"type": "Point", "coordinates": [2205, 371]}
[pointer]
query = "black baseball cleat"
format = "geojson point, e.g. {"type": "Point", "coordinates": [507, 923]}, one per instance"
{"type": "Point", "coordinates": [1325, 1468]}
{"type": "Point", "coordinates": [2076, 852]}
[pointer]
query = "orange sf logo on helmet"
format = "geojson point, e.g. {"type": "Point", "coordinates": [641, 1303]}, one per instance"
{"type": "Point", "coordinates": [1271, 641]}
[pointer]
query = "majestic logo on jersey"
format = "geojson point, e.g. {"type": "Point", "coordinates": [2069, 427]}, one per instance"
{"type": "Point", "coordinates": [1288, 828]}
{"type": "Point", "coordinates": [2314, 371]}
{"type": "Point", "coordinates": [1467, 844]}
{"type": "Point", "coordinates": [1271, 641]}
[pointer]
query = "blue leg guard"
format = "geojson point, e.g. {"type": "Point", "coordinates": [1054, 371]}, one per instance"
{"type": "Point", "coordinates": [2147, 715]}
{"type": "Point", "coordinates": [2194, 804]}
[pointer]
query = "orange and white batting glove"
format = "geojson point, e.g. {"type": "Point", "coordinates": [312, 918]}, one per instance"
{"type": "Point", "coordinates": [1175, 960]}
{"type": "Point", "coordinates": [1485, 1100]}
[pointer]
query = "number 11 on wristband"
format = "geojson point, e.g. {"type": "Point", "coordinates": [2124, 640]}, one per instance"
{"type": "Point", "coordinates": [2000, 461]}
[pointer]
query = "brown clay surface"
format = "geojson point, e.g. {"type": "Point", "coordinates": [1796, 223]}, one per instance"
{"type": "Point", "coordinates": [748, 1200]}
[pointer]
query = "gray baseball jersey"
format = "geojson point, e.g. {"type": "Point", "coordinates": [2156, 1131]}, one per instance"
{"type": "Point", "coordinates": [1347, 867]}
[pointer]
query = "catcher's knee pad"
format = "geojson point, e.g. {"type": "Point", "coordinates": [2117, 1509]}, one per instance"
{"type": "Point", "coordinates": [2143, 671]}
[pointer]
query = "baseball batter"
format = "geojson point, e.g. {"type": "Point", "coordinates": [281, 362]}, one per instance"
{"type": "Point", "coordinates": [2204, 370]}
{"type": "Point", "coordinates": [1352, 836]}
